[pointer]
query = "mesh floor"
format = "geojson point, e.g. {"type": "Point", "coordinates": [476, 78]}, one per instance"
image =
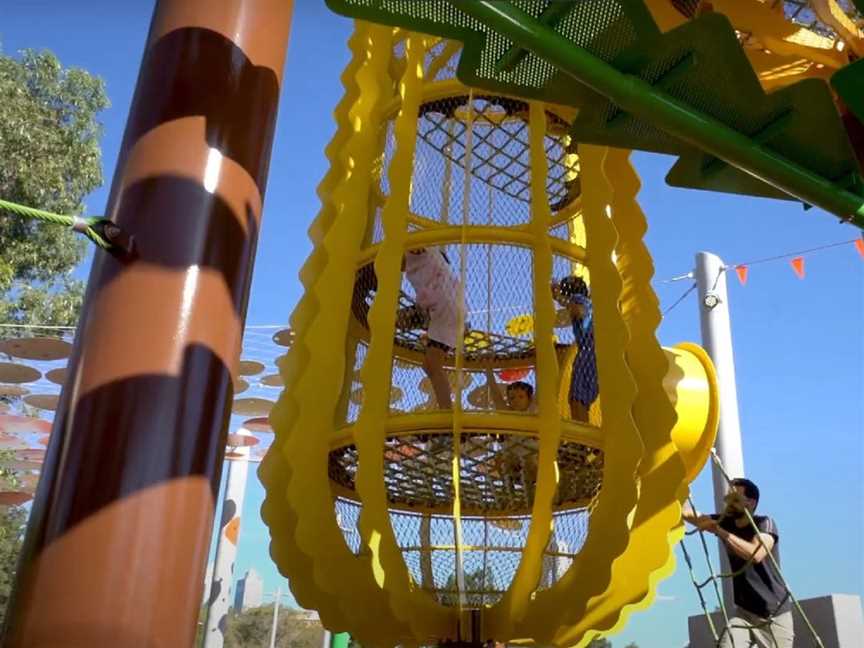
{"type": "Point", "coordinates": [492, 132]}
{"type": "Point", "coordinates": [492, 550]}
{"type": "Point", "coordinates": [500, 153]}
{"type": "Point", "coordinates": [498, 472]}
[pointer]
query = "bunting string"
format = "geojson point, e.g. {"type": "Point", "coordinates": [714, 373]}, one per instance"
{"type": "Point", "coordinates": [796, 260]}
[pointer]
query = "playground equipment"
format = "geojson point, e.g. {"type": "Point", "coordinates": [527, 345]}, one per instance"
{"type": "Point", "coordinates": [393, 522]}
{"type": "Point", "coordinates": [473, 524]}
{"type": "Point", "coordinates": [428, 524]}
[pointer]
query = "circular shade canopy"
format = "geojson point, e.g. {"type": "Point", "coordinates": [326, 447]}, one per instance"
{"type": "Point", "coordinates": [273, 380]}
{"type": "Point", "coordinates": [240, 386]}
{"type": "Point", "coordinates": [13, 390]}
{"type": "Point", "coordinates": [250, 368]}
{"type": "Point", "coordinates": [252, 406]}
{"type": "Point", "coordinates": [258, 424]}
{"type": "Point", "coordinates": [43, 401]}
{"type": "Point", "coordinates": [11, 372]}
{"type": "Point", "coordinates": [241, 441]}
{"type": "Point", "coordinates": [31, 454]}
{"type": "Point", "coordinates": [12, 443]}
{"type": "Point", "coordinates": [284, 338]}
{"type": "Point", "coordinates": [22, 425]}
{"type": "Point", "coordinates": [14, 498]}
{"type": "Point", "coordinates": [57, 376]}
{"type": "Point", "coordinates": [39, 348]}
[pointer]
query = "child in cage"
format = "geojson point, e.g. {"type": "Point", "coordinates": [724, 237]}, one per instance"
{"type": "Point", "coordinates": [439, 309]}
{"type": "Point", "coordinates": [516, 456]}
{"type": "Point", "coordinates": [518, 395]}
{"type": "Point", "coordinates": [572, 293]}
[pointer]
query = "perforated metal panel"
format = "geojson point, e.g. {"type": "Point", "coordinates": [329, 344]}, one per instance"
{"type": "Point", "coordinates": [700, 64]}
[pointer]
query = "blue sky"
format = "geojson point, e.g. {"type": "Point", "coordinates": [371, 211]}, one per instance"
{"type": "Point", "coordinates": [798, 343]}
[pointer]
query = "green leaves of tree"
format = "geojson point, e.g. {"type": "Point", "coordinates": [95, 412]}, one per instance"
{"type": "Point", "coordinates": [49, 158]}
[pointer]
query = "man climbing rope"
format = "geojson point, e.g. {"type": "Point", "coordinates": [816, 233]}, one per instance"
{"type": "Point", "coordinates": [763, 618]}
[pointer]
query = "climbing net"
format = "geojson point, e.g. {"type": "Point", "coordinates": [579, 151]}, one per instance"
{"type": "Point", "coordinates": [460, 496]}
{"type": "Point", "coordinates": [715, 579]}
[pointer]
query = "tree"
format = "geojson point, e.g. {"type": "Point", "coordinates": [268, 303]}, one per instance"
{"type": "Point", "coordinates": [475, 582]}
{"type": "Point", "coordinates": [251, 629]}
{"type": "Point", "coordinates": [600, 643]}
{"type": "Point", "coordinates": [13, 522]}
{"type": "Point", "coordinates": [50, 159]}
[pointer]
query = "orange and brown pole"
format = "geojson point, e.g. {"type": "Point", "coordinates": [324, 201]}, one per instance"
{"type": "Point", "coordinates": [121, 523]}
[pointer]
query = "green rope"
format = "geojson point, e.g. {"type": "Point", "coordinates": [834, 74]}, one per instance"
{"type": "Point", "coordinates": [699, 592]}
{"type": "Point", "coordinates": [86, 225]}
{"type": "Point", "coordinates": [713, 579]}
{"type": "Point", "coordinates": [770, 556]}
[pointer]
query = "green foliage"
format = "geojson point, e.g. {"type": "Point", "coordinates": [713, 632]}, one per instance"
{"type": "Point", "coordinates": [600, 643]}
{"type": "Point", "coordinates": [50, 159]}
{"type": "Point", "coordinates": [475, 581]}
{"type": "Point", "coordinates": [13, 522]}
{"type": "Point", "coordinates": [251, 629]}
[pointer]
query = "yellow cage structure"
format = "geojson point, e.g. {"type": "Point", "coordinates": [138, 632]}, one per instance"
{"type": "Point", "coordinates": [404, 522]}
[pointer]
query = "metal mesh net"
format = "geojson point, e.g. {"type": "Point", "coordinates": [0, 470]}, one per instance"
{"type": "Point", "coordinates": [498, 332]}
{"type": "Point", "coordinates": [499, 159]}
{"type": "Point", "coordinates": [472, 303]}
{"type": "Point", "coordinates": [498, 472]}
{"type": "Point", "coordinates": [491, 550]}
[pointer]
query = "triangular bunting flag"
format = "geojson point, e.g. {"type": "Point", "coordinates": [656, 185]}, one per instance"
{"type": "Point", "coordinates": [741, 271]}
{"type": "Point", "coordinates": [798, 266]}
{"type": "Point", "coordinates": [859, 245]}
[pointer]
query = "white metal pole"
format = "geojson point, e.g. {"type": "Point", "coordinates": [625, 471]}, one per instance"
{"type": "Point", "coordinates": [716, 329]}
{"type": "Point", "coordinates": [325, 641]}
{"type": "Point", "coordinates": [276, 601]}
{"type": "Point", "coordinates": [219, 600]}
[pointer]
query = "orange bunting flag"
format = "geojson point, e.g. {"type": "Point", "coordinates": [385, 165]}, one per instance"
{"type": "Point", "coordinates": [859, 245]}
{"type": "Point", "coordinates": [798, 266]}
{"type": "Point", "coordinates": [741, 271]}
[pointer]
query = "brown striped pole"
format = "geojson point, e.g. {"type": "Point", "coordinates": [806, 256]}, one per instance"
{"type": "Point", "coordinates": [120, 529]}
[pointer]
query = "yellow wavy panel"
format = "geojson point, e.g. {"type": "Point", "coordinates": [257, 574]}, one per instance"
{"type": "Point", "coordinates": [590, 573]}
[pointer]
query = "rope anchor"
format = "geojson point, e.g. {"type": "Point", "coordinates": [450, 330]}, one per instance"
{"type": "Point", "coordinates": [101, 231]}
{"type": "Point", "coordinates": [120, 244]}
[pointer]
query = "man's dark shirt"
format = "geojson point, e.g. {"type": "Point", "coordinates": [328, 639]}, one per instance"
{"type": "Point", "coordinates": [758, 588]}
